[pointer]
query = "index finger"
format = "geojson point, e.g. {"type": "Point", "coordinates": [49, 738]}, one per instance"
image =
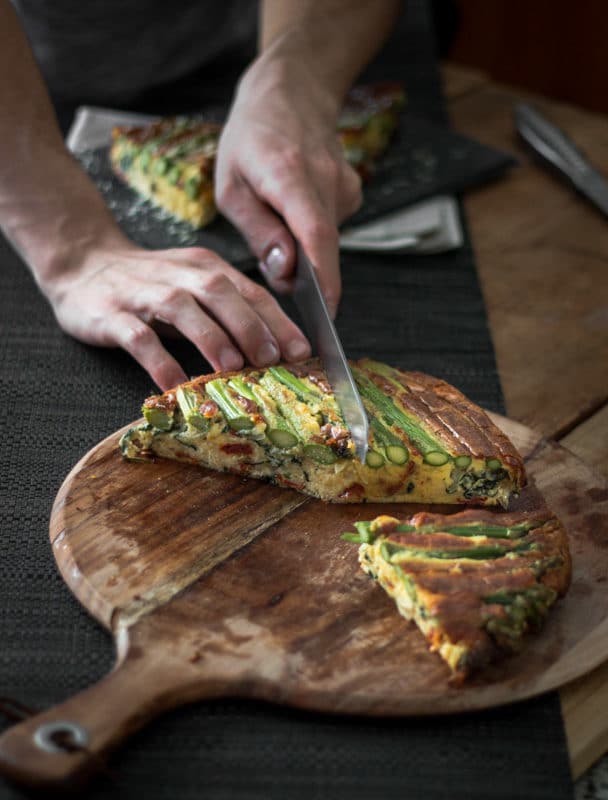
{"type": "Point", "coordinates": [311, 223]}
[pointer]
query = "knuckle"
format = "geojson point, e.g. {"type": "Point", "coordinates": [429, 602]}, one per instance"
{"type": "Point", "coordinates": [171, 297]}
{"type": "Point", "coordinates": [320, 231]}
{"type": "Point", "coordinates": [226, 192]}
{"type": "Point", "coordinates": [280, 169]}
{"type": "Point", "coordinates": [328, 167]}
{"type": "Point", "coordinates": [197, 253]}
{"type": "Point", "coordinates": [136, 335]}
{"type": "Point", "coordinates": [210, 339]}
{"type": "Point", "coordinates": [248, 329]}
{"type": "Point", "coordinates": [255, 294]}
{"type": "Point", "coordinates": [216, 283]}
{"type": "Point", "coordinates": [288, 160]}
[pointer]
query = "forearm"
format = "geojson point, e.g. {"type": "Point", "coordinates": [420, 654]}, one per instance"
{"type": "Point", "coordinates": [48, 206]}
{"type": "Point", "coordinates": [334, 38]}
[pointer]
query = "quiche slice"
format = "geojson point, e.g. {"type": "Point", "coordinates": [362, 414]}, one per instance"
{"type": "Point", "coordinates": [367, 123]}
{"type": "Point", "coordinates": [427, 442]}
{"type": "Point", "coordinates": [475, 583]}
{"type": "Point", "coordinates": [171, 164]}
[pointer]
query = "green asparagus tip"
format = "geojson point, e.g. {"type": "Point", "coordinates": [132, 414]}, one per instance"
{"type": "Point", "coordinates": [353, 537]}
{"type": "Point", "coordinates": [291, 382]}
{"type": "Point", "coordinates": [364, 531]}
{"type": "Point", "coordinates": [320, 453]}
{"type": "Point", "coordinates": [374, 459]}
{"type": "Point", "coordinates": [234, 414]}
{"type": "Point", "coordinates": [157, 417]}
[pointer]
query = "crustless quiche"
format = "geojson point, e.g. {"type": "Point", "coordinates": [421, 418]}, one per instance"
{"type": "Point", "coordinates": [170, 163]}
{"type": "Point", "coordinates": [475, 583]}
{"type": "Point", "coordinates": [427, 444]}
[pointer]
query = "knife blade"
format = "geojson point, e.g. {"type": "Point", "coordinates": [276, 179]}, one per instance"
{"type": "Point", "coordinates": [324, 340]}
{"type": "Point", "coordinates": [554, 146]}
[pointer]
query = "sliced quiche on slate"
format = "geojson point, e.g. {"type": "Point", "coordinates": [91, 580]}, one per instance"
{"type": "Point", "coordinates": [170, 163]}
{"type": "Point", "coordinates": [367, 123]}
{"type": "Point", "coordinates": [475, 582]}
{"type": "Point", "coordinates": [428, 443]}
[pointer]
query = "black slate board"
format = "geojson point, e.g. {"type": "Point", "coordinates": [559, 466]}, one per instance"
{"type": "Point", "coordinates": [424, 159]}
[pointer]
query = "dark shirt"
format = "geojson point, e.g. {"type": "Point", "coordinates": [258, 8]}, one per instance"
{"type": "Point", "coordinates": [121, 53]}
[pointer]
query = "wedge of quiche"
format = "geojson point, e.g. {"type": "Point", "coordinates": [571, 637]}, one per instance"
{"type": "Point", "coordinates": [367, 123]}
{"type": "Point", "coordinates": [475, 583]}
{"type": "Point", "coordinates": [170, 163]}
{"type": "Point", "coordinates": [428, 443]}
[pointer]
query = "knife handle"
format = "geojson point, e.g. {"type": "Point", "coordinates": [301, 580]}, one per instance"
{"type": "Point", "coordinates": [550, 142]}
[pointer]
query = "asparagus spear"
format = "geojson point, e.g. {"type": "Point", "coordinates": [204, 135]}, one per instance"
{"type": "Point", "coordinates": [160, 418]}
{"type": "Point", "coordinates": [432, 452]}
{"type": "Point", "coordinates": [389, 373]}
{"type": "Point", "coordinates": [302, 392]}
{"type": "Point", "coordinates": [321, 453]}
{"type": "Point", "coordinates": [505, 597]}
{"type": "Point", "coordinates": [389, 550]}
{"type": "Point", "coordinates": [278, 429]}
{"type": "Point", "coordinates": [489, 531]}
{"type": "Point", "coordinates": [374, 459]}
{"type": "Point", "coordinates": [298, 414]}
{"type": "Point", "coordinates": [234, 414]}
{"type": "Point", "coordinates": [364, 534]}
{"type": "Point", "coordinates": [189, 403]}
{"type": "Point", "coordinates": [395, 450]}
{"type": "Point", "coordinates": [302, 420]}
{"type": "Point", "coordinates": [240, 386]}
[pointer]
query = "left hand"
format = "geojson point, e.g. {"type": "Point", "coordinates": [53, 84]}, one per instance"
{"type": "Point", "coordinates": [281, 172]}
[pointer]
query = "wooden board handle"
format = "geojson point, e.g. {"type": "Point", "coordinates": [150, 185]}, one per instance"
{"type": "Point", "coordinates": [61, 747]}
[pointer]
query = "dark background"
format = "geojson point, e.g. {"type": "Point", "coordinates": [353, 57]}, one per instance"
{"type": "Point", "coordinates": [554, 47]}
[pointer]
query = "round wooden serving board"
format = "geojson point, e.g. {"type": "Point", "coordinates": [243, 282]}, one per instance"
{"type": "Point", "coordinates": [217, 585]}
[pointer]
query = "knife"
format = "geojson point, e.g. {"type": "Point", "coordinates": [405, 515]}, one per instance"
{"type": "Point", "coordinates": [557, 149]}
{"type": "Point", "coordinates": [324, 339]}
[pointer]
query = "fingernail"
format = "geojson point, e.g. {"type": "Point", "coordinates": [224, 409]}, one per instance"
{"type": "Point", "coordinates": [332, 307]}
{"type": "Point", "coordinates": [267, 354]}
{"type": "Point", "coordinates": [230, 359]}
{"type": "Point", "coordinates": [297, 349]}
{"type": "Point", "coordinates": [275, 262]}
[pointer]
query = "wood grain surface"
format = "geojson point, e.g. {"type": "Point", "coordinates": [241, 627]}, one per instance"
{"type": "Point", "coordinates": [213, 584]}
{"type": "Point", "coordinates": [541, 252]}
{"type": "Point", "coordinates": [536, 239]}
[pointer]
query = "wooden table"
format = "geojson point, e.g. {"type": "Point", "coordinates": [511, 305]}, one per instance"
{"type": "Point", "coordinates": [542, 257]}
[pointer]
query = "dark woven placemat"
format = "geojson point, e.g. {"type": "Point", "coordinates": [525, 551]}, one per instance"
{"type": "Point", "coordinates": [59, 398]}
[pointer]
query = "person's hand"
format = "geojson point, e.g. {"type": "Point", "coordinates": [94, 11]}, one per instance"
{"type": "Point", "coordinates": [281, 171]}
{"type": "Point", "coordinates": [117, 294]}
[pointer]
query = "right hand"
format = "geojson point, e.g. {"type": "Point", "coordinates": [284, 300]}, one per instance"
{"type": "Point", "coordinates": [281, 172]}
{"type": "Point", "coordinates": [117, 294]}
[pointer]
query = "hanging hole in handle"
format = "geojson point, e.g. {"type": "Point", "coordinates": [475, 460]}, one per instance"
{"type": "Point", "coordinates": [62, 736]}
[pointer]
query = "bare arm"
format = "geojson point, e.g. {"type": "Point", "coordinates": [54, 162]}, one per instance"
{"type": "Point", "coordinates": [337, 38]}
{"type": "Point", "coordinates": [279, 159]}
{"type": "Point", "coordinates": [46, 201]}
{"type": "Point", "coordinates": [103, 289]}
